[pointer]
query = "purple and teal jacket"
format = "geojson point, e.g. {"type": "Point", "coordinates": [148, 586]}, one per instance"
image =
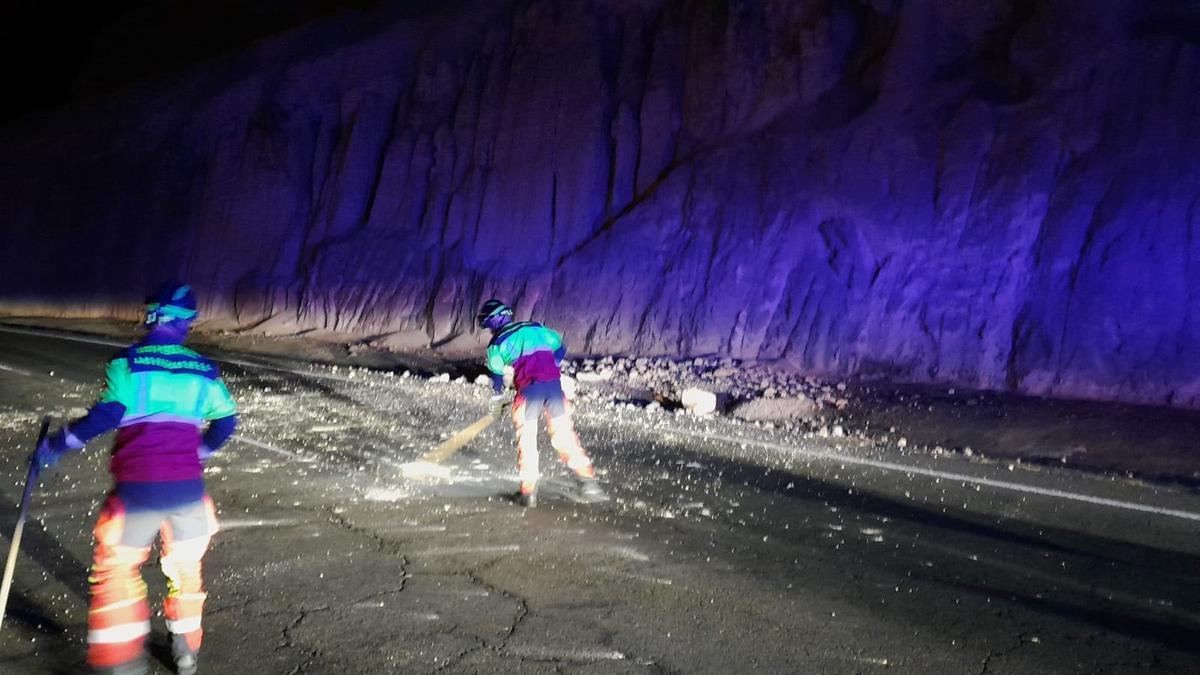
{"type": "Point", "coordinates": [533, 351]}
{"type": "Point", "coordinates": [158, 395]}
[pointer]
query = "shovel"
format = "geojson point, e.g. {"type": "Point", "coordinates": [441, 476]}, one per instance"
{"type": "Point", "coordinates": [30, 483]}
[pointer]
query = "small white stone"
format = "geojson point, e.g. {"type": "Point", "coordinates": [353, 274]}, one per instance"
{"type": "Point", "coordinates": [598, 376]}
{"type": "Point", "coordinates": [568, 387]}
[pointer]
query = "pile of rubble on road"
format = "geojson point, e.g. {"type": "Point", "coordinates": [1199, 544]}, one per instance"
{"type": "Point", "coordinates": [705, 386]}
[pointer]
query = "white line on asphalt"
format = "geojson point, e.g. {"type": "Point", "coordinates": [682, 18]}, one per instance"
{"type": "Point", "coordinates": [627, 552]}
{"type": "Point", "coordinates": [369, 604]}
{"type": "Point", "coordinates": [107, 342]}
{"type": "Point", "coordinates": [114, 343]}
{"type": "Point", "coordinates": [264, 446]}
{"type": "Point", "coordinates": [465, 592]}
{"type": "Point", "coordinates": [11, 369]}
{"type": "Point", "coordinates": [566, 654]}
{"type": "Point", "coordinates": [412, 529]}
{"type": "Point", "coordinates": [244, 523]}
{"type": "Point", "coordinates": [455, 550]}
{"type": "Point", "coordinates": [290, 371]}
{"type": "Point", "coordinates": [647, 578]}
{"type": "Point", "coordinates": [423, 616]}
{"type": "Point", "coordinates": [36, 332]}
{"type": "Point", "coordinates": [934, 473]}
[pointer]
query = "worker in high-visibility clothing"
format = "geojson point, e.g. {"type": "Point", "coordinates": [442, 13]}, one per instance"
{"type": "Point", "coordinates": [535, 352]}
{"type": "Point", "coordinates": [159, 395]}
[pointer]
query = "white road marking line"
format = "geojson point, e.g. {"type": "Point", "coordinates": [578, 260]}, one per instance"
{"type": "Point", "coordinates": [555, 654]}
{"type": "Point", "coordinates": [948, 475]}
{"type": "Point", "coordinates": [412, 529]}
{"type": "Point", "coordinates": [57, 336]}
{"type": "Point", "coordinates": [12, 369]}
{"type": "Point", "coordinates": [627, 552]}
{"type": "Point", "coordinates": [424, 616]}
{"type": "Point", "coordinates": [264, 446]}
{"type": "Point", "coordinates": [115, 343]}
{"type": "Point", "coordinates": [108, 342]}
{"type": "Point", "coordinates": [290, 371]}
{"type": "Point", "coordinates": [240, 524]}
{"type": "Point", "coordinates": [661, 581]}
{"type": "Point", "coordinates": [455, 550]}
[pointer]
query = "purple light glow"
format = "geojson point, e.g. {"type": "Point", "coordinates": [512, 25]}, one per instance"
{"type": "Point", "coordinates": [931, 194]}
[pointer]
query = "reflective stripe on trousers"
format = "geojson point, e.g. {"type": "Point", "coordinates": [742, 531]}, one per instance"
{"type": "Point", "coordinates": [557, 411]}
{"type": "Point", "coordinates": [119, 616]}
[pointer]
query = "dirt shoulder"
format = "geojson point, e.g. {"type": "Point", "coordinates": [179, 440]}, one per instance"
{"type": "Point", "coordinates": [1149, 443]}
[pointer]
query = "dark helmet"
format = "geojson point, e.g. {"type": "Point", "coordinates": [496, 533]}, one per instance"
{"type": "Point", "coordinates": [172, 301]}
{"type": "Point", "coordinates": [494, 314]}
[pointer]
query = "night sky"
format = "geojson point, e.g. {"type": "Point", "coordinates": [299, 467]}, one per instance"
{"type": "Point", "coordinates": [56, 51]}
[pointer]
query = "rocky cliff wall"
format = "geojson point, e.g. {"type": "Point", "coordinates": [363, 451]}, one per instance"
{"type": "Point", "coordinates": [993, 193]}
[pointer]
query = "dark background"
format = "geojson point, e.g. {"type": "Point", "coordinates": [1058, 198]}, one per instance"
{"type": "Point", "coordinates": [57, 51]}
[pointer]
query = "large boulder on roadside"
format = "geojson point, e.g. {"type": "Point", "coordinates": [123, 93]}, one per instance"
{"type": "Point", "coordinates": [798, 408]}
{"type": "Point", "coordinates": [698, 402]}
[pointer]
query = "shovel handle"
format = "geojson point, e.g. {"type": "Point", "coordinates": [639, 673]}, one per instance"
{"type": "Point", "coordinates": [10, 565]}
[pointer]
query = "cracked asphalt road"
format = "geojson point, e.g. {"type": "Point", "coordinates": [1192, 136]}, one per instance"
{"type": "Point", "coordinates": [727, 547]}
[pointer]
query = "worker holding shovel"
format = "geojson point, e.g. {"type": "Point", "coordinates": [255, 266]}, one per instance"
{"type": "Point", "coordinates": [535, 352]}
{"type": "Point", "coordinates": [158, 396]}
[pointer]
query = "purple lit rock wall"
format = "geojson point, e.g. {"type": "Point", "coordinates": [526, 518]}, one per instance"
{"type": "Point", "coordinates": [1003, 194]}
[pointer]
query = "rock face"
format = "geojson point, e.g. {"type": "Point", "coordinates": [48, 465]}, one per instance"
{"type": "Point", "coordinates": [994, 193]}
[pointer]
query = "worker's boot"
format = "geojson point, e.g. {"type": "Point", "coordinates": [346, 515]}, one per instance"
{"type": "Point", "coordinates": [590, 491]}
{"type": "Point", "coordinates": [527, 498]}
{"type": "Point", "coordinates": [185, 658]}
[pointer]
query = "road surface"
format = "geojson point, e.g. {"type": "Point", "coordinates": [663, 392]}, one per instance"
{"type": "Point", "coordinates": [728, 547]}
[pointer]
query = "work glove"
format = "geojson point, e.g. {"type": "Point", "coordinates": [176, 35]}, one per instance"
{"type": "Point", "coordinates": [496, 408]}
{"type": "Point", "coordinates": [46, 455]}
{"type": "Point", "coordinates": [205, 453]}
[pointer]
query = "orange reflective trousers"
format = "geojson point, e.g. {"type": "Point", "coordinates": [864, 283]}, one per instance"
{"type": "Point", "coordinates": [546, 399]}
{"type": "Point", "coordinates": [119, 615]}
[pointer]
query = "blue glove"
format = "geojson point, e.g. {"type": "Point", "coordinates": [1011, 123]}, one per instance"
{"type": "Point", "coordinates": [205, 453]}
{"type": "Point", "coordinates": [46, 456]}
